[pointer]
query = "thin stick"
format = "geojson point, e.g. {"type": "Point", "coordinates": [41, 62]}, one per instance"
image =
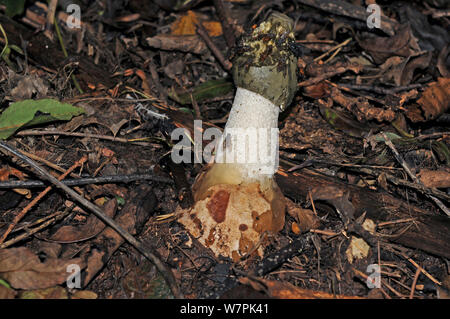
{"type": "Point", "coordinates": [204, 35]}
{"type": "Point", "coordinates": [405, 166]}
{"type": "Point", "coordinates": [312, 203]}
{"type": "Point", "coordinates": [31, 204]}
{"type": "Point", "coordinates": [422, 270]}
{"type": "Point", "coordinates": [28, 232]}
{"type": "Point", "coordinates": [398, 221]}
{"type": "Point", "coordinates": [364, 276]}
{"type": "Point", "coordinates": [324, 232]}
{"type": "Point", "coordinates": [413, 287]}
{"type": "Point", "coordinates": [109, 179]}
{"type": "Point", "coordinates": [166, 273]}
{"type": "Point", "coordinates": [198, 113]}
{"type": "Point", "coordinates": [227, 23]}
{"type": "Point", "coordinates": [55, 132]}
{"type": "Point", "coordinates": [336, 47]}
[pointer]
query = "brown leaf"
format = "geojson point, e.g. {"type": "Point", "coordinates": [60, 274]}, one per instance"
{"type": "Point", "coordinates": [438, 179]}
{"type": "Point", "coordinates": [306, 218]}
{"type": "Point", "coordinates": [91, 228]}
{"type": "Point", "coordinates": [84, 294]}
{"type": "Point", "coordinates": [405, 71]}
{"type": "Point", "coordinates": [402, 43]}
{"type": "Point", "coordinates": [317, 91]}
{"type": "Point", "coordinates": [285, 290]}
{"type": "Point", "coordinates": [187, 24]}
{"type": "Point", "coordinates": [28, 86]}
{"type": "Point", "coordinates": [6, 293]}
{"type": "Point", "coordinates": [361, 107]}
{"type": "Point", "coordinates": [22, 269]}
{"type": "Point", "coordinates": [436, 99]}
{"type": "Point", "coordinates": [185, 43]}
{"type": "Point", "coordinates": [336, 197]}
{"type": "Point", "coordinates": [56, 292]}
{"type": "Point", "coordinates": [441, 61]}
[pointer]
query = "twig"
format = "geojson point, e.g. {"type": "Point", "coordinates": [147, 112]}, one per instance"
{"type": "Point", "coordinates": [198, 113]}
{"type": "Point", "coordinates": [324, 76]}
{"type": "Point", "coordinates": [324, 232]}
{"type": "Point", "coordinates": [336, 47]}
{"type": "Point", "coordinates": [227, 23]}
{"type": "Point", "coordinates": [56, 132]}
{"type": "Point", "coordinates": [432, 135]}
{"type": "Point", "coordinates": [109, 179]}
{"type": "Point", "coordinates": [413, 287]}
{"type": "Point", "coordinates": [398, 221]}
{"type": "Point", "coordinates": [422, 270]}
{"type": "Point", "coordinates": [399, 253]}
{"type": "Point", "coordinates": [28, 232]}
{"type": "Point", "coordinates": [30, 205]}
{"type": "Point", "coordinates": [381, 90]}
{"type": "Point", "coordinates": [365, 277]}
{"type": "Point", "coordinates": [397, 181]}
{"type": "Point", "coordinates": [166, 273]}
{"type": "Point", "coordinates": [405, 166]}
{"type": "Point", "coordinates": [210, 44]}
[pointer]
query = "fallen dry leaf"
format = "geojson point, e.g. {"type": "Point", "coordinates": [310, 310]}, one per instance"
{"type": "Point", "coordinates": [438, 179]}
{"type": "Point", "coordinates": [22, 269]}
{"type": "Point", "coordinates": [84, 294]}
{"type": "Point", "coordinates": [285, 290]}
{"type": "Point", "coordinates": [6, 293]}
{"type": "Point", "coordinates": [306, 219]}
{"type": "Point", "coordinates": [92, 227]}
{"type": "Point", "coordinates": [28, 86]}
{"type": "Point", "coordinates": [7, 171]}
{"type": "Point", "coordinates": [358, 249]}
{"type": "Point", "coordinates": [361, 107]}
{"type": "Point", "coordinates": [187, 24]}
{"type": "Point", "coordinates": [185, 43]}
{"type": "Point", "coordinates": [435, 99]}
{"type": "Point", "coordinates": [56, 292]}
{"type": "Point", "coordinates": [317, 91]}
{"type": "Point", "coordinates": [403, 43]}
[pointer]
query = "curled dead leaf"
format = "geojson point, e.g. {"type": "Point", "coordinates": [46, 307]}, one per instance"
{"type": "Point", "coordinates": [403, 43]}
{"type": "Point", "coordinates": [92, 227]}
{"type": "Point", "coordinates": [435, 99]}
{"type": "Point", "coordinates": [23, 269]}
{"type": "Point", "coordinates": [358, 249]}
{"type": "Point", "coordinates": [306, 219]}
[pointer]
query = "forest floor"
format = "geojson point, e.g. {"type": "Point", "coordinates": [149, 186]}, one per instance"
{"type": "Point", "coordinates": [364, 149]}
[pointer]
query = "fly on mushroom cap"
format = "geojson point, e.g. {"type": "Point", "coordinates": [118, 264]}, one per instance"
{"type": "Point", "coordinates": [236, 202]}
{"type": "Point", "coordinates": [265, 64]}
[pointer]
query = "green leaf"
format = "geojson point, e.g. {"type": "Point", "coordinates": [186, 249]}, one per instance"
{"type": "Point", "coordinates": [13, 7]}
{"type": "Point", "coordinates": [341, 121]}
{"type": "Point", "coordinates": [204, 91]}
{"type": "Point", "coordinates": [120, 200]}
{"type": "Point", "coordinates": [4, 283]}
{"type": "Point", "coordinates": [33, 112]}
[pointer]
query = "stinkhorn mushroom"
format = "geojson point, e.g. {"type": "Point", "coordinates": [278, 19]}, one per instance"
{"type": "Point", "coordinates": [236, 200]}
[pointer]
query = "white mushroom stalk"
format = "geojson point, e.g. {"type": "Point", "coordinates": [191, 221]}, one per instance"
{"type": "Point", "coordinates": [237, 199]}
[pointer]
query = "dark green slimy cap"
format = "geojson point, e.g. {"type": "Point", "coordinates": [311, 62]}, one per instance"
{"type": "Point", "coordinates": [264, 63]}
